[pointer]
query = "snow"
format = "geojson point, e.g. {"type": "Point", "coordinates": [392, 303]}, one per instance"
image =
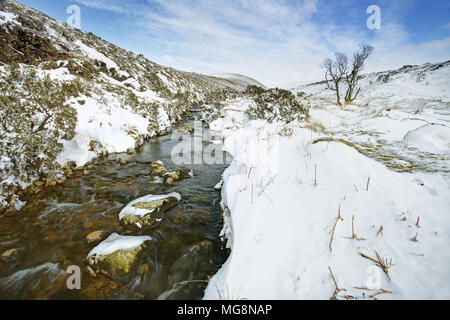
{"type": "Point", "coordinates": [432, 138]}
{"type": "Point", "coordinates": [244, 80]}
{"type": "Point", "coordinates": [8, 17]}
{"type": "Point", "coordinates": [95, 55]}
{"type": "Point", "coordinates": [117, 242]}
{"type": "Point", "coordinates": [131, 210]}
{"type": "Point", "coordinates": [280, 206]}
{"type": "Point", "coordinates": [109, 125]}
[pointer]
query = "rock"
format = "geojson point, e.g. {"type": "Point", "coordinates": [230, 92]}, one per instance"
{"type": "Point", "coordinates": [70, 165]}
{"type": "Point", "coordinates": [85, 173]}
{"type": "Point", "coordinates": [118, 256]}
{"type": "Point", "coordinates": [187, 129]}
{"type": "Point", "coordinates": [95, 236]}
{"type": "Point", "coordinates": [147, 212]}
{"type": "Point", "coordinates": [130, 151]}
{"type": "Point", "coordinates": [12, 254]}
{"type": "Point", "coordinates": [179, 175]}
{"type": "Point", "coordinates": [122, 161]}
{"type": "Point", "coordinates": [157, 169]}
{"type": "Point", "coordinates": [15, 205]}
{"type": "Point", "coordinates": [95, 146]}
{"type": "Point", "coordinates": [184, 173]}
{"type": "Point", "coordinates": [91, 272]}
{"type": "Point", "coordinates": [140, 296]}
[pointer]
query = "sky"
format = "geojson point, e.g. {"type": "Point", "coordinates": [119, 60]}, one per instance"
{"type": "Point", "coordinates": [277, 42]}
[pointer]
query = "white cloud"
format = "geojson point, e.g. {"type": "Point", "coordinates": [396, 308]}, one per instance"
{"type": "Point", "coordinates": [110, 5]}
{"type": "Point", "coordinates": [273, 41]}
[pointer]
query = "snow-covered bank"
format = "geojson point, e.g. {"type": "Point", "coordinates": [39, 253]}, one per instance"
{"type": "Point", "coordinates": [281, 207]}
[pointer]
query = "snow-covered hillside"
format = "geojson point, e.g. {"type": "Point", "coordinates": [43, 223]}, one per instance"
{"type": "Point", "coordinates": [352, 204]}
{"type": "Point", "coordinates": [238, 78]}
{"type": "Point", "coordinates": [116, 99]}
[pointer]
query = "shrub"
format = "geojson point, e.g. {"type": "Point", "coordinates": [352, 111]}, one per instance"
{"type": "Point", "coordinates": [34, 119]}
{"type": "Point", "coordinates": [276, 105]}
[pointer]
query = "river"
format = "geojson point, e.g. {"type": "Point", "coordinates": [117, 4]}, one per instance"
{"type": "Point", "coordinates": [51, 231]}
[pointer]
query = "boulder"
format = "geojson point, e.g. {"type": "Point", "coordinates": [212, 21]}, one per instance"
{"type": "Point", "coordinates": [118, 256]}
{"type": "Point", "coordinates": [147, 212]}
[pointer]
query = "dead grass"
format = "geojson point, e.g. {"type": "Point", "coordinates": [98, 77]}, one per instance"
{"type": "Point", "coordinates": [384, 264]}
{"type": "Point", "coordinates": [334, 228]}
{"type": "Point", "coordinates": [315, 126]}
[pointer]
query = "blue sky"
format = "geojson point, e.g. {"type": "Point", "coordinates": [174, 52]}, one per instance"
{"type": "Point", "coordinates": [275, 41]}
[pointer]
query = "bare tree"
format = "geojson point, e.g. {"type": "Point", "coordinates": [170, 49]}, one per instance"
{"type": "Point", "coordinates": [357, 65]}
{"type": "Point", "coordinates": [335, 71]}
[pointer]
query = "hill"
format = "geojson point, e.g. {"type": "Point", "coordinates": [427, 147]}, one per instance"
{"type": "Point", "coordinates": [69, 96]}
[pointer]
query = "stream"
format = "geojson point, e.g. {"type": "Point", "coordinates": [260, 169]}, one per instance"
{"type": "Point", "coordinates": [50, 231]}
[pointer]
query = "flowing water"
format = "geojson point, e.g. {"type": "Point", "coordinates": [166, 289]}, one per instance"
{"type": "Point", "coordinates": [51, 232]}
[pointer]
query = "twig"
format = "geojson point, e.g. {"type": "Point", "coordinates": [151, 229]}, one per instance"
{"type": "Point", "coordinates": [415, 238]}
{"type": "Point", "coordinates": [354, 235]}
{"type": "Point", "coordinates": [356, 188]}
{"type": "Point", "coordinates": [315, 175]}
{"type": "Point", "coordinates": [417, 223]}
{"type": "Point", "coordinates": [337, 289]}
{"type": "Point", "coordinates": [381, 292]}
{"type": "Point", "coordinates": [334, 228]}
{"type": "Point", "coordinates": [380, 231]}
{"type": "Point", "coordinates": [368, 182]}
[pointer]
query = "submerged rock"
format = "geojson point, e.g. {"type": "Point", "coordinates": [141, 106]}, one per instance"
{"type": "Point", "coordinates": [95, 236]}
{"type": "Point", "coordinates": [12, 254]}
{"type": "Point", "coordinates": [192, 265]}
{"type": "Point", "coordinates": [147, 212]}
{"type": "Point", "coordinates": [118, 256]}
